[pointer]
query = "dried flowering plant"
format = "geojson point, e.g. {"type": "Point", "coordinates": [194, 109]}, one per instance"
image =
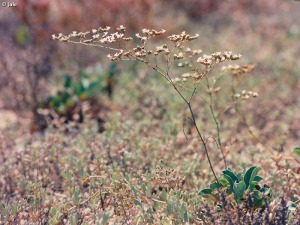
{"type": "Point", "coordinates": [162, 59]}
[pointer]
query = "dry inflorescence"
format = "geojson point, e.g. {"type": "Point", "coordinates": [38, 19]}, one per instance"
{"type": "Point", "coordinates": [246, 95]}
{"type": "Point", "coordinates": [118, 42]}
{"type": "Point", "coordinates": [238, 71]}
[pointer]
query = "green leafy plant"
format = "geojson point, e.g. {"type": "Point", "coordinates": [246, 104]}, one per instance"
{"type": "Point", "coordinates": [244, 188]}
{"type": "Point", "coordinates": [82, 96]}
{"type": "Point", "coordinates": [297, 150]}
{"type": "Point", "coordinates": [73, 94]}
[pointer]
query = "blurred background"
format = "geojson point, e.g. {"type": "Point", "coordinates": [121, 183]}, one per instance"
{"type": "Point", "coordinates": [36, 71]}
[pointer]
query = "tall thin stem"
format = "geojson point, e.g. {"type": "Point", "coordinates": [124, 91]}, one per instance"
{"type": "Point", "coordinates": [212, 111]}
{"type": "Point", "coordinates": [218, 134]}
{"type": "Point", "coordinates": [202, 140]}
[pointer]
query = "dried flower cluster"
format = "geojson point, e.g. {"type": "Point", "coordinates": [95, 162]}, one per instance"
{"type": "Point", "coordinates": [103, 38]}
{"type": "Point", "coordinates": [246, 94]}
{"type": "Point", "coordinates": [186, 76]}
{"type": "Point", "coordinates": [237, 70]}
{"type": "Point", "coordinates": [217, 57]}
{"type": "Point", "coordinates": [179, 38]}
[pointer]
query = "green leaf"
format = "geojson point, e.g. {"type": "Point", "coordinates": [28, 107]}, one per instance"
{"type": "Point", "coordinates": [53, 211]}
{"type": "Point", "coordinates": [238, 190]}
{"type": "Point", "coordinates": [205, 191]}
{"type": "Point", "coordinates": [214, 186]}
{"type": "Point", "coordinates": [105, 218]}
{"type": "Point", "coordinates": [186, 217]}
{"type": "Point", "coordinates": [257, 178]}
{"type": "Point", "coordinates": [297, 150]}
{"type": "Point", "coordinates": [74, 219]}
{"type": "Point", "coordinates": [230, 181]}
{"type": "Point", "coordinates": [257, 199]}
{"type": "Point", "coordinates": [223, 182]}
{"type": "Point", "coordinates": [76, 198]}
{"type": "Point", "coordinates": [55, 101]}
{"type": "Point", "coordinates": [259, 203]}
{"type": "Point", "coordinates": [253, 175]}
{"type": "Point", "coordinates": [138, 202]}
{"type": "Point", "coordinates": [134, 190]}
{"type": "Point", "coordinates": [112, 69]}
{"type": "Point", "coordinates": [208, 194]}
{"type": "Point", "coordinates": [65, 96]}
{"type": "Point", "coordinates": [22, 35]}
{"type": "Point", "coordinates": [92, 86]}
{"type": "Point", "coordinates": [231, 175]}
{"type": "Point", "coordinates": [182, 210]}
{"type": "Point", "coordinates": [248, 175]}
{"type": "Point", "coordinates": [266, 190]}
{"type": "Point", "coordinates": [68, 81]}
{"type": "Point", "coordinates": [144, 188]}
{"type": "Point", "coordinates": [252, 186]}
{"type": "Point", "coordinates": [163, 196]}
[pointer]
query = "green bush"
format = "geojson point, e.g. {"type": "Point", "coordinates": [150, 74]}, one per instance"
{"type": "Point", "coordinates": [89, 89]}
{"type": "Point", "coordinates": [242, 189]}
